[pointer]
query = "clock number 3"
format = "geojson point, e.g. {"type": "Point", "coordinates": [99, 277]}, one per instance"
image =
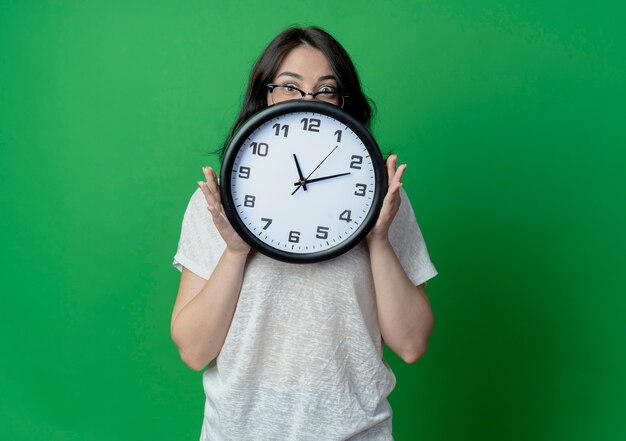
{"type": "Point", "coordinates": [360, 190]}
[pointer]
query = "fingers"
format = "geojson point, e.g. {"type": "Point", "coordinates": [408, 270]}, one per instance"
{"type": "Point", "coordinates": [211, 192]}
{"type": "Point", "coordinates": [391, 203]}
{"type": "Point", "coordinates": [391, 168]}
{"type": "Point", "coordinates": [394, 175]}
{"type": "Point", "coordinates": [220, 221]}
{"type": "Point", "coordinates": [211, 180]}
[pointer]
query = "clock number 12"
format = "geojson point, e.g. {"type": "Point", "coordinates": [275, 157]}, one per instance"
{"type": "Point", "coordinates": [311, 124]}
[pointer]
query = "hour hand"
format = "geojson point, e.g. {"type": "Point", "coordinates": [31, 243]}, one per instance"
{"type": "Point", "coordinates": [301, 181]}
{"type": "Point", "coordinates": [308, 181]}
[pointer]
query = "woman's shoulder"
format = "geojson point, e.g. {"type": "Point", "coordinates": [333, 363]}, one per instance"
{"type": "Point", "coordinates": [198, 218]}
{"type": "Point", "coordinates": [197, 198]}
{"type": "Point", "coordinates": [200, 245]}
{"type": "Point", "coordinates": [197, 208]}
{"type": "Point", "coordinates": [405, 213]}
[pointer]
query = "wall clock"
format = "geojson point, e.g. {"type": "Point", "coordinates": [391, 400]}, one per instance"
{"type": "Point", "coordinates": [303, 181]}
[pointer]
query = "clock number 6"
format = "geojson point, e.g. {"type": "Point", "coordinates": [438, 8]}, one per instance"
{"type": "Point", "coordinates": [294, 236]}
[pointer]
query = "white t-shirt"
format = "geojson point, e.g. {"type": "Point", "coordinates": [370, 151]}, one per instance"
{"type": "Point", "coordinates": [303, 358]}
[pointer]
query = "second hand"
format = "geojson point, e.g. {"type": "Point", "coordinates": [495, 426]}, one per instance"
{"type": "Point", "coordinates": [318, 166]}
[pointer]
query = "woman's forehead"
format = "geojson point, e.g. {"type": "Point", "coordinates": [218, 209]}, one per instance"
{"type": "Point", "coordinates": [305, 63]}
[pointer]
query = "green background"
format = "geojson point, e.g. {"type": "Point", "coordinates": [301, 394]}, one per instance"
{"type": "Point", "coordinates": [509, 114]}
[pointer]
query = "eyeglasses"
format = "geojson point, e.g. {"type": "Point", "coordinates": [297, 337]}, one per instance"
{"type": "Point", "coordinates": [280, 93]}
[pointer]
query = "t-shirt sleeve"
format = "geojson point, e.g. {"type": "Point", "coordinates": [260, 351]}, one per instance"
{"type": "Point", "coordinates": [407, 241]}
{"type": "Point", "coordinates": [200, 245]}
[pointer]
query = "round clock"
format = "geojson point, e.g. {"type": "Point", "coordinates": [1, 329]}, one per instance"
{"type": "Point", "coordinates": [303, 181]}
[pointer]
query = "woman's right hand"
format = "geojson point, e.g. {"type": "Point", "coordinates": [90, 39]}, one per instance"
{"type": "Point", "coordinates": [211, 190]}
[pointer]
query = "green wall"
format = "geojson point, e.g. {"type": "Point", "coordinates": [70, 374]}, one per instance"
{"type": "Point", "coordinates": [509, 114]}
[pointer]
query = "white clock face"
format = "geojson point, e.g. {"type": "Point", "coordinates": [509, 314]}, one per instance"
{"type": "Point", "coordinates": [282, 154]}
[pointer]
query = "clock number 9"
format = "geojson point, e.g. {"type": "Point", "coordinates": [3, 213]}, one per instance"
{"type": "Point", "coordinates": [260, 148]}
{"type": "Point", "coordinates": [294, 236]}
{"type": "Point", "coordinates": [244, 172]}
{"type": "Point", "coordinates": [312, 125]}
{"type": "Point", "coordinates": [356, 162]}
{"type": "Point", "coordinates": [278, 128]}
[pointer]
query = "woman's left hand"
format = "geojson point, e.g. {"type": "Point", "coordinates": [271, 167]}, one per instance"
{"type": "Point", "coordinates": [391, 203]}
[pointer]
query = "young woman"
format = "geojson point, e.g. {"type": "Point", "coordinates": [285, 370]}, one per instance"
{"type": "Point", "coordinates": [294, 352]}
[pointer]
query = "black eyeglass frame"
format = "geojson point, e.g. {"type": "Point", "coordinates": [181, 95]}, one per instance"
{"type": "Point", "coordinates": [343, 96]}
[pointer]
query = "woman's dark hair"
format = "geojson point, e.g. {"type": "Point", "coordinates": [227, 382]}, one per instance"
{"type": "Point", "coordinates": [266, 66]}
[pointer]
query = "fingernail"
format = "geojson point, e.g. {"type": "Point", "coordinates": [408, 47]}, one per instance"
{"type": "Point", "coordinates": [199, 184]}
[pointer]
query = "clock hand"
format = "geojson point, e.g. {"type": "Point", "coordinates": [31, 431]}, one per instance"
{"type": "Point", "coordinates": [302, 180]}
{"type": "Point", "coordinates": [318, 166]}
{"type": "Point", "coordinates": [322, 179]}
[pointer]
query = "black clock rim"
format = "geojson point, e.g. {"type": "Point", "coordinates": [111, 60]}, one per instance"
{"type": "Point", "coordinates": [326, 109]}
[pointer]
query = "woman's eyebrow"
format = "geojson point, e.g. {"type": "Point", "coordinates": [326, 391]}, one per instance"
{"type": "Point", "coordinates": [291, 74]}
{"type": "Point", "coordinates": [300, 77]}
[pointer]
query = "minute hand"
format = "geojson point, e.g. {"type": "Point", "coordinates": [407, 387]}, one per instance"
{"type": "Point", "coordinates": [323, 178]}
{"type": "Point", "coordinates": [310, 174]}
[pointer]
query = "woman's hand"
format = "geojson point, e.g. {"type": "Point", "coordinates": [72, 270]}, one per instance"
{"type": "Point", "coordinates": [211, 190]}
{"type": "Point", "coordinates": [404, 312]}
{"type": "Point", "coordinates": [391, 203]}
